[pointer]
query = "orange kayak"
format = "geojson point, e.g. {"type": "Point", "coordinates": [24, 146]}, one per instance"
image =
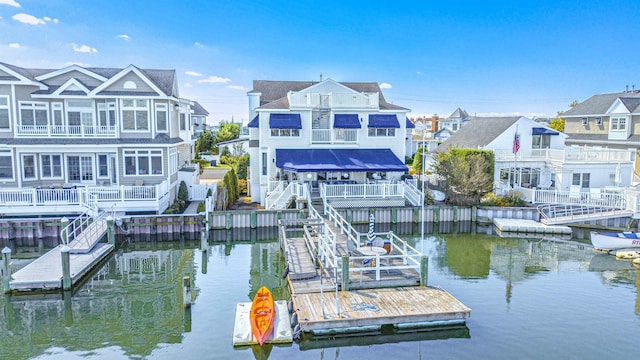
{"type": "Point", "coordinates": [262, 315]}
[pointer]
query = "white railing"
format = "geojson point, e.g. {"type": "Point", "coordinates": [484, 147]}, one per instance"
{"type": "Point", "coordinates": [570, 154]}
{"type": "Point", "coordinates": [280, 200]}
{"type": "Point", "coordinates": [615, 200]}
{"type": "Point", "coordinates": [363, 191]}
{"type": "Point", "coordinates": [66, 130]}
{"type": "Point", "coordinates": [333, 100]}
{"type": "Point", "coordinates": [413, 194]}
{"type": "Point", "coordinates": [331, 136]}
{"type": "Point", "coordinates": [277, 185]}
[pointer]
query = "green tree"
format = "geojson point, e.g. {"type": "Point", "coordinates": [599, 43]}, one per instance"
{"type": "Point", "coordinates": [557, 123]}
{"type": "Point", "coordinates": [228, 131]}
{"type": "Point", "coordinates": [204, 142]}
{"type": "Point", "coordinates": [468, 174]}
{"type": "Point", "coordinates": [417, 161]}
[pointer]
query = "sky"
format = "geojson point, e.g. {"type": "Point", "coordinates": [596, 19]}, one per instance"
{"type": "Point", "coordinates": [530, 58]}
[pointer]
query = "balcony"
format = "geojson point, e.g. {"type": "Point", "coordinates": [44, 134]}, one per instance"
{"type": "Point", "coordinates": [568, 155]}
{"type": "Point", "coordinates": [66, 131]}
{"type": "Point", "coordinates": [334, 136]}
{"type": "Point", "coordinates": [333, 100]}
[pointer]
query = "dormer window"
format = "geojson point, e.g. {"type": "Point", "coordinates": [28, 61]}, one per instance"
{"type": "Point", "coordinates": [599, 121]}
{"type": "Point", "coordinates": [585, 121]}
{"type": "Point", "coordinates": [618, 124]}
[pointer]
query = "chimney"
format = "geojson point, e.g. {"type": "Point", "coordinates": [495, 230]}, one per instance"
{"type": "Point", "coordinates": [626, 87]}
{"type": "Point", "coordinates": [320, 77]}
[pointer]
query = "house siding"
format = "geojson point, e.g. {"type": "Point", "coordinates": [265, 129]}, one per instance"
{"type": "Point", "coordinates": [63, 78]}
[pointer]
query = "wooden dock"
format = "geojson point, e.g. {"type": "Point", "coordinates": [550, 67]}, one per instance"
{"type": "Point", "coordinates": [45, 273]}
{"type": "Point", "coordinates": [384, 292]}
{"type": "Point", "coordinates": [370, 309]}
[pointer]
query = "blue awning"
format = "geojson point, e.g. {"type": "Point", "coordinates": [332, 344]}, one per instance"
{"type": "Point", "coordinates": [285, 121]}
{"type": "Point", "coordinates": [383, 121]}
{"type": "Point", "coordinates": [313, 160]}
{"type": "Point", "coordinates": [543, 131]}
{"type": "Point", "coordinates": [346, 121]}
{"type": "Point", "coordinates": [410, 125]}
{"type": "Point", "coordinates": [255, 122]}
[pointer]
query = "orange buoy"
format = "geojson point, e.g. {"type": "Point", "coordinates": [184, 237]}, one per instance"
{"type": "Point", "coordinates": [262, 315]}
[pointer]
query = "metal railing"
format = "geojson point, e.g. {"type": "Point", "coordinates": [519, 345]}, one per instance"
{"type": "Point", "coordinates": [87, 225]}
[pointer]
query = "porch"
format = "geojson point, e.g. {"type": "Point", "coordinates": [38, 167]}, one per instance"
{"type": "Point", "coordinates": [75, 199]}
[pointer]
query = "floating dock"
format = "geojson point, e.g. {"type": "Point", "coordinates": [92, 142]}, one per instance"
{"type": "Point", "coordinates": [242, 335]}
{"type": "Point", "coordinates": [367, 310]}
{"type": "Point", "coordinates": [529, 226]}
{"type": "Point", "coordinates": [45, 273]}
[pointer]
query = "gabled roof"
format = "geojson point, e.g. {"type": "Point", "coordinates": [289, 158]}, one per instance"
{"type": "Point", "coordinates": [198, 110]}
{"type": "Point", "coordinates": [631, 103]}
{"type": "Point", "coordinates": [478, 132]}
{"type": "Point", "coordinates": [274, 90]}
{"type": "Point", "coordinates": [598, 104]}
{"type": "Point", "coordinates": [54, 73]}
{"type": "Point", "coordinates": [459, 114]}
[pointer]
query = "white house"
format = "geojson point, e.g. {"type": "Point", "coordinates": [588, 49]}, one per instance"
{"type": "Point", "coordinates": [112, 136]}
{"type": "Point", "coordinates": [531, 154]}
{"type": "Point", "coordinates": [324, 131]}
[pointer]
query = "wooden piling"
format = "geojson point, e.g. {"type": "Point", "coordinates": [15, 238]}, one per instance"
{"type": "Point", "coordinates": [66, 268]}
{"type": "Point", "coordinates": [424, 270]}
{"type": "Point", "coordinates": [186, 291]}
{"type": "Point", "coordinates": [64, 222]}
{"type": "Point", "coordinates": [6, 269]}
{"type": "Point", "coordinates": [111, 230]}
{"type": "Point", "coordinates": [344, 285]}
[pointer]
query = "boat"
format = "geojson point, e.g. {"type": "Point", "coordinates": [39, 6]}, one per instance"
{"type": "Point", "coordinates": [437, 195]}
{"type": "Point", "coordinates": [262, 315]}
{"type": "Point", "coordinates": [615, 240]}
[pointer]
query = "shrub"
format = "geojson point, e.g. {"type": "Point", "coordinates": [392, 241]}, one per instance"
{"type": "Point", "coordinates": [242, 186]}
{"type": "Point", "coordinates": [200, 207]}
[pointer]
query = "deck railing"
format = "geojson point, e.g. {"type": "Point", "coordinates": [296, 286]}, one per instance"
{"type": "Point", "coordinates": [67, 130]}
{"type": "Point", "coordinates": [363, 191]}
{"type": "Point", "coordinates": [610, 199]}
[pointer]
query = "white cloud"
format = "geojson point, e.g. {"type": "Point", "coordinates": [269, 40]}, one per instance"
{"type": "Point", "coordinates": [419, 72]}
{"type": "Point", "coordinates": [215, 80]}
{"type": "Point", "coordinates": [28, 19]}
{"type": "Point", "coordinates": [124, 37]}
{"type": "Point", "coordinates": [385, 86]}
{"type": "Point", "coordinates": [198, 44]}
{"type": "Point", "coordinates": [10, 3]}
{"type": "Point", "coordinates": [84, 49]}
{"type": "Point", "coordinates": [236, 87]}
{"type": "Point", "coordinates": [192, 73]}
{"type": "Point", "coordinates": [188, 85]}
{"type": "Point", "coordinates": [46, 18]}
{"type": "Point", "coordinates": [14, 45]}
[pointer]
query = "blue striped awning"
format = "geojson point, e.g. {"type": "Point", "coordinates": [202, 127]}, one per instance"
{"type": "Point", "coordinates": [383, 121]}
{"type": "Point", "coordinates": [285, 121]}
{"type": "Point", "coordinates": [313, 160]}
{"type": "Point", "coordinates": [255, 123]}
{"type": "Point", "coordinates": [346, 121]}
{"type": "Point", "coordinates": [410, 125]}
{"type": "Point", "coordinates": [543, 131]}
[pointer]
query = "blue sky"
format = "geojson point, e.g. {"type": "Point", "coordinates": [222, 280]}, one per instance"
{"type": "Point", "coordinates": [488, 57]}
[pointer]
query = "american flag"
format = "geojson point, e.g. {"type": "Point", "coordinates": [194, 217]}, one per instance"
{"type": "Point", "coordinates": [516, 143]}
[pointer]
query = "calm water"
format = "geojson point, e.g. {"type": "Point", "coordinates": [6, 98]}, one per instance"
{"type": "Point", "coordinates": [530, 298]}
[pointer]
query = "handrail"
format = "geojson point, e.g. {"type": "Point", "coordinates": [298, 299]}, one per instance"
{"type": "Point", "coordinates": [413, 194]}
{"type": "Point", "coordinates": [81, 223]}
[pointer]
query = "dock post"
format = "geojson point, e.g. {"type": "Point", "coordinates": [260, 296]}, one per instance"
{"type": "Point", "coordinates": [111, 230]}
{"type": "Point", "coordinates": [424, 270]}
{"type": "Point", "coordinates": [204, 241]}
{"type": "Point", "coordinates": [186, 291]}
{"type": "Point", "coordinates": [64, 222]}
{"type": "Point", "coordinates": [66, 268]}
{"type": "Point", "coordinates": [344, 285]}
{"type": "Point", "coordinates": [474, 215]}
{"type": "Point", "coordinates": [6, 270]}
{"type": "Point", "coordinates": [254, 219]}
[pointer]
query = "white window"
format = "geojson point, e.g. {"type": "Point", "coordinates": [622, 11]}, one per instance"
{"type": "Point", "coordinates": [135, 115]}
{"type": "Point", "coordinates": [57, 119]}
{"type": "Point", "coordinates": [582, 179]}
{"type": "Point", "coordinates": [382, 132]}
{"type": "Point", "coordinates": [161, 117]}
{"type": "Point", "coordinates": [5, 123]}
{"type": "Point", "coordinates": [34, 114]}
{"type": "Point", "coordinates": [618, 124]}
{"type": "Point", "coordinates": [28, 167]}
{"type": "Point", "coordinates": [103, 166]}
{"type": "Point", "coordinates": [585, 121]}
{"type": "Point", "coordinates": [183, 122]}
{"type": "Point", "coordinates": [51, 166]}
{"type": "Point", "coordinates": [285, 132]}
{"type": "Point", "coordinates": [6, 165]}
{"type": "Point", "coordinates": [142, 162]}
{"type": "Point", "coordinates": [80, 115]}
{"type": "Point", "coordinates": [173, 160]}
{"type": "Point", "coordinates": [598, 121]}
{"type": "Point", "coordinates": [107, 114]}
{"type": "Point", "coordinates": [264, 163]}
